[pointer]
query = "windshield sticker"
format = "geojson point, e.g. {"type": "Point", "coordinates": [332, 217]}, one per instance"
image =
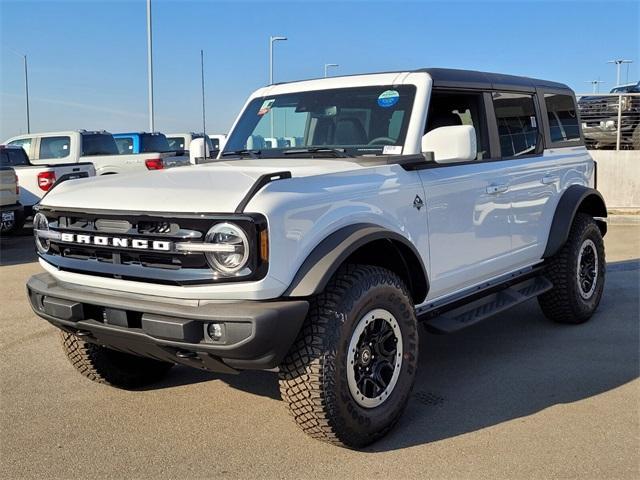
{"type": "Point", "coordinates": [392, 150]}
{"type": "Point", "coordinates": [266, 106]}
{"type": "Point", "coordinates": [388, 98]}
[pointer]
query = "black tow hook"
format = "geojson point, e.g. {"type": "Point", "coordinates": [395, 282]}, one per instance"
{"type": "Point", "coordinates": [186, 354]}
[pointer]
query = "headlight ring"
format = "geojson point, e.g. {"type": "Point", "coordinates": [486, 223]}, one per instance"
{"type": "Point", "coordinates": [40, 222]}
{"type": "Point", "coordinates": [235, 239]}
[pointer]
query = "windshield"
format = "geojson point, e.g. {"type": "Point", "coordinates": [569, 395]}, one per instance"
{"type": "Point", "coordinates": [360, 121]}
{"type": "Point", "coordinates": [627, 89]}
{"type": "Point", "coordinates": [98, 144]}
{"type": "Point", "coordinates": [154, 142]}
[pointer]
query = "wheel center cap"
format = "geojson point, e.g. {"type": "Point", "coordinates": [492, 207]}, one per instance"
{"type": "Point", "coordinates": [365, 356]}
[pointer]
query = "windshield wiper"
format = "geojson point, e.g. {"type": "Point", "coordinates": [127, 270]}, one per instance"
{"type": "Point", "coordinates": [240, 153]}
{"type": "Point", "coordinates": [338, 152]}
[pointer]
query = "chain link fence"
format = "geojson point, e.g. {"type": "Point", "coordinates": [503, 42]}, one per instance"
{"type": "Point", "coordinates": [610, 120]}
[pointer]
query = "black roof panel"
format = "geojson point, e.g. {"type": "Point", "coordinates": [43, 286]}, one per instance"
{"type": "Point", "coordinates": [449, 77]}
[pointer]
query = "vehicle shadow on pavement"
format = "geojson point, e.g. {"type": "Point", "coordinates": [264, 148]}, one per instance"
{"type": "Point", "coordinates": [520, 363]}
{"type": "Point", "coordinates": [262, 383]}
{"type": "Point", "coordinates": [18, 248]}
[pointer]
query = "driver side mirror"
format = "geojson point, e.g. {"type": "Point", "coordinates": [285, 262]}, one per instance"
{"type": "Point", "coordinates": [452, 144]}
{"type": "Point", "coordinates": [198, 151]}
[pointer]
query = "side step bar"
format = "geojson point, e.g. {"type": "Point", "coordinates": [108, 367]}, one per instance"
{"type": "Point", "coordinates": [461, 316]}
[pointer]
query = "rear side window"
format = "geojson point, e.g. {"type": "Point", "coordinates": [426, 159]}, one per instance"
{"type": "Point", "coordinates": [98, 144]}
{"type": "Point", "coordinates": [563, 121]}
{"type": "Point", "coordinates": [54, 147]}
{"type": "Point", "coordinates": [152, 143]}
{"type": "Point", "coordinates": [13, 157]}
{"type": "Point", "coordinates": [518, 126]}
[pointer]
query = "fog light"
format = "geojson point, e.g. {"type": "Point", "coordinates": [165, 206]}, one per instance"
{"type": "Point", "coordinates": [216, 331]}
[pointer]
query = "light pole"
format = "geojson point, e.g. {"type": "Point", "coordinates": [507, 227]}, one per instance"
{"type": "Point", "coordinates": [26, 84]}
{"type": "Point", "coordinates": [618, 63]}
{"type": "Point", "coordinates": [271, 40]}
{"type": "Point", "coordinates": [150, 66]}
{"type": "Point", "coordinates": [595, 84]}
{"type": "Point", "coordinates": [204, 125]}
{"type": "Point", "coordinates": [327, 66]}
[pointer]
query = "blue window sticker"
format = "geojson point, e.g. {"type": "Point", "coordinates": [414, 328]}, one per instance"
{"type": "Point", "coordinates": [388, 98]}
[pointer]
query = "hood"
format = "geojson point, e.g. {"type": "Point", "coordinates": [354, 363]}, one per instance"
{"type": "Point", "coordinates": [218, 187]}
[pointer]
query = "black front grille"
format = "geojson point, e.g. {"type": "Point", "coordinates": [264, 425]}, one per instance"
{"type": "Point", "coordinates": [148, 265]}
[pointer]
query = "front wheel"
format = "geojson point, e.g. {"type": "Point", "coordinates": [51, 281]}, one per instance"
{"type": "Point", "coordinates": [104, 365]}
{"type": "Point", "coordinates": [577, 272]}
{"type": "Point", "coordinates": [349, 374]}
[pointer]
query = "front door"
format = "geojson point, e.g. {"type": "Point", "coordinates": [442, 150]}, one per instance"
{"type": "Point", "coordinates": [468, 204]}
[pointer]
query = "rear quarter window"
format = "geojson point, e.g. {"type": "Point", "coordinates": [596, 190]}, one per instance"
{"type": "Point", "coordinates": [563, 119]}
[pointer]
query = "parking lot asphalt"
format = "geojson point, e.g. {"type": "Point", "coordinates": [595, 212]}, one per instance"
{"type": "Point", "coordinates": [513, 397]}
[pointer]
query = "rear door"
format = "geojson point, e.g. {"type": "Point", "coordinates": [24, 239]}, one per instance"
{"type": "Point", "coordinates": [535, 174]}
{"type": "Point", "coordinates": [468, 204]}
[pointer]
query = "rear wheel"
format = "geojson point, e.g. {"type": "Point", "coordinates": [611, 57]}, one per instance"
{"type": "Point", "coordinates": [577, 272]}
{"type": "Point", "coordinates": [348, 376]}
{"type": "Point", "coordinates": [111, 367]}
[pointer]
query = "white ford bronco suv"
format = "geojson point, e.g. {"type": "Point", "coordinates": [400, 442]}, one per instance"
{"type": "Point", "coordinates": [433, 196]}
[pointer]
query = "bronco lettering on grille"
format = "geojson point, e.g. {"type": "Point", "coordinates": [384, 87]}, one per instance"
{"type": "Point", "coordinates": [122, 242]}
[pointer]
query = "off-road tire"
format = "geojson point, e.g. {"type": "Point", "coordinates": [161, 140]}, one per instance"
{"type": "Point", "coordinates": [313, 376]}
{"type": "Point", "coordinates": [104, 365]}
{"type": "Point", "coordinates": [564, 303]}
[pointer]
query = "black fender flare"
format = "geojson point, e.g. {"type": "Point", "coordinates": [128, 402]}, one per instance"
{"type": "Point", "coordinates": [327, 257]}
{"type": "Point", "coordinates": [576, 198]}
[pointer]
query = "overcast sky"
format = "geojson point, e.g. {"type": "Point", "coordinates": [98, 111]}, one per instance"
{"type": "Point", "coordinates": [87, 59]}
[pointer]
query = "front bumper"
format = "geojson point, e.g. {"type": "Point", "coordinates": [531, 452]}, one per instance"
{"type": "Point", "coordinates": [256, 334]}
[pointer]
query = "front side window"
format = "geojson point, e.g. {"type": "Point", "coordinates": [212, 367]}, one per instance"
{"type": "Point", "coordinates": [518, 126]}
{"type": "Point", "coordinates": [54, 147]}
{"type": "Point", "coordinates": [98, 144]}
{"type": "Point", "coordinates": [176, 143]}
{"type": "Point", "coordinates": [124, 145]}
{"type": "Point", "coordinates": [25, 143]}
{"type": "Point", "coordinates": [360, 121]}
{"type": "Point", "coordinates": [563, 120]}
{"type": "Point", "coordinates": [448, 109]}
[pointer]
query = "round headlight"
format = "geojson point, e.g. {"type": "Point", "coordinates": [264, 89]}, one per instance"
{"type": "Point", "coordinates": [234, 248]}
{"type": "Point", "coordinates": [40, 222]}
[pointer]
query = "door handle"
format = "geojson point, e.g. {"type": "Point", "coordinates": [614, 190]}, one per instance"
{"type": "Point", "coordinates": [495, 189]}
{"type": "Point", "coordinates": [549, 179]}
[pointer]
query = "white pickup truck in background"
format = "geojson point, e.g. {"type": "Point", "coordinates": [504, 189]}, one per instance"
{"type": "Point", "coordinates": [36, 180]}
{"type": "Point", "coordinates": [97, 147]}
